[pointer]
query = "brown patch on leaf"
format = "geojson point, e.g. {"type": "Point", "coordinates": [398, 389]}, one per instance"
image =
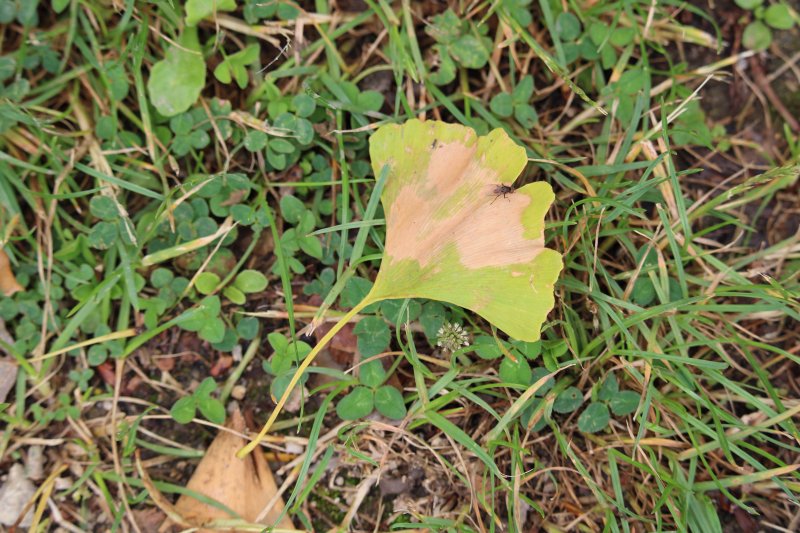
{"type": "Point", "coordinates": [455, 203]}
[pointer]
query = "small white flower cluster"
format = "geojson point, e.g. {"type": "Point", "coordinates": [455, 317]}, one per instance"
{"type": "Point", "coordinates": [451, 337]}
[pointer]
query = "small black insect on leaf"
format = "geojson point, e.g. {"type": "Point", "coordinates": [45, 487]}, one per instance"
{"type": "Point", "coordinates": [501, 189]}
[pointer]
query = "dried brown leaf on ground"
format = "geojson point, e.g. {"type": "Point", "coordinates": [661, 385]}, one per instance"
{"type": "Point", "coordinates": [8, 283]}
{"type": "Point", "coordinates": [246, 486]}
{"type": "Point", "coordinates": [8, 367]}
{"type": "Point", "coordinates": [15, 495]}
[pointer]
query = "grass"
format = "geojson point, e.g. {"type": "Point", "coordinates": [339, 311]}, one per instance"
{"type": "Point", "coordinates": [675, 212]}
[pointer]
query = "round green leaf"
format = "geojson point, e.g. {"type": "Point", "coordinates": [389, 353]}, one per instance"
{"type": "Point", "coordinates": [199, 139]}
{"type": "Point", "coordinates": [526, 115]}
{"type": "Point", "coordinates": [531, 350]}
{"type": "Point", "coordinates": [176, 81]}
{"type": "Point", "coordinates": [183, 410]}
{"type": "Point", "coordinates": [624, 403]}
{"type": "Point", "coordinates": [357, 404]}
{"type": "Point", "coordinates": [213, 330]}
{"type": "Point", "coordinates": [598, 32]}
{"type": "Point", "coordinates": [103, 235]}
{"type": "Point", "coordinates": [292, 208]}
{"type": "Point", "coordinates": [103, 208]}
{"type": "Point", "coordinates": [502, 105]}
{"type": "Point", "coordinates": [373, 336]}
{"type": "Point", "coordinates": [779, 16]}
{"type": "Point", "coordinates": [304, 105]}
{"type": "Point", "coordinates": [255, 141]}
{"type": "Point", "coordinates": [568, 400]}
{"type": "Point", "coordinates": [234, 295]}
{"type": "Point", "coordinates": [212, 409]}
{"type": "Point", "coordinates": [622, 36]}
{"type": "Point", "coordinates": [182, 124]}
{"type": "Point", "coordinates": [518, 372]}
{"type": "Point", "coordinates": [369, 101]}
{"type": "Point", "coordinates": [757, 36]}
{"type": "Point", "coordinates": [281, 146]}
{"type": "Point", "coordinates": [486, 347]}
{"type": "Point", "coordinates": [609, 388]}
{"type": "Point", "coordinates": [537, 374]}
{"type": "Point", "coordinates": [594, 418]}
{"type": "Point", "coordinates": [568, 26]}
{"type": "Point", "coordinates": [197, 10]}
{"type": "Point", "coordinates": [355, 290]}
{"type": "Point", "coordinates": [395, 312]}
{"type": "Point", "coordinates": [206, 282]}
{"type": "Point", "coordinates": [105, 128]}
{"type": "Point", "coordinates": [97, 355]}
{"type": "Point", "coordinates": [371, 374]}
{"type": "Point", "coordinates": [643, 291]}
{"type": "Point", "coordinates": [469, 51]}
{"type": "Point", "coordinates": [247, 328]}
{"type": "Point", "coordinates": [279, 384]}
{"type": "Point", "coordinates": [748, 4]}
{"type": "Point", "coordinates": [249, 281]}
{"type": "Point", "coordinates": [389, 402]}
{"type": "Point", "coordinates": [8, 66]}
{"type": "Point", "coordinates": [527, 416]}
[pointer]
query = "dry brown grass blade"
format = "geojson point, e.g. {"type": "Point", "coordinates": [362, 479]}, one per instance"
{"type": "Point", "coordinates": [246, 485]}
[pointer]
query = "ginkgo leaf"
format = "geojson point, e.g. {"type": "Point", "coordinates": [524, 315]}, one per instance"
{"type": "Point", "coordinates": [451, 233]}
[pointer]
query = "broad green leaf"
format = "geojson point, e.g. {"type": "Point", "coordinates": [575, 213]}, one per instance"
{"type": "Point", "coordinates": [748, 4]}
{"type": "Point", "coordinates": [526, 115]}
{"type": "Point", "coordinates": [568, 26]}
{"type": "Point", "coordinates": [234, 295]}
{"type": "Point", "coordinates": [255, 141]}
{"type": "Point", "coordinates": [212, 409]}
{"type": "Point", "coordinates": [486, 347]}
{"type": "Point", "coordinates": [205, 388]}
{"type": "Point", "coordinates": [537, 374]}
{"type": "Point", "coordinates": [372, 373]}
{"type": "Point", "coordinates": [389, 402]}
{"type": "Point", "coordinates": [373, 336]}
{"type": "Point", "coordinates": [357, 404]}
{"type": "Point", "coordinates": [278, 342]}
{"type": "Point", "coordinates": [249, 281]}
{"type": "Point", "coordinates": [779, 16]}
{"type": "Point", "coordinates": [206, 282]}
{"type": "Point", "coordinates": [103, 207]}
{"type": "Point", "coordinates": [176, 81]}
{"type": "Point", "coordinates": [568, 400]}
{"type": "Point", "coordinates": [609, 388]}
{"type": "Point", "coordinates": [624, 403]}
{"type": "Point", "coordinates": [469, 51]}
{"type": "Point", "coordinates": [518, 372]}
{"type": "Point", "coordinates": [247, 328]}
{"type": "Point", "coordinates": [594, 418]}
{"type": "Point", "coordinates": [213, 330]}
{"type": "Point", "coordinates": [757, 36]}
{"type": "Point", "coordinates": [197, 10]}
{"type": "Point", "coordinates": [103, 235]}
{"type": "Point", "coordinates": [502, 105]}
{"type": "Point", "coordinates": [448, 235]}
{"type": "Point", "coordinates": [183, 410]}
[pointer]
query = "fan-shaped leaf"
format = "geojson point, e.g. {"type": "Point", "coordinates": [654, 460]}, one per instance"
{"type": "Point", "coordinates": [451, 237]}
